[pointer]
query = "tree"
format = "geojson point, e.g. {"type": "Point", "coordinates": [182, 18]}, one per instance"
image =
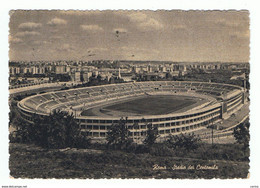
{"type": "Point", "coordinates": [241, 134]}
{"type": "Point", "coordinates": [118, 135]}
{"type": "Point", "coordinates": [59, 130]}
{"type": "Point", "coordinates": [187, 141]}
{"type": "Point", "coordinates": [22, 132]}
{"type": "Point", "coordinates": [13, 110]}
{"type": "Point", "coordinates": [151, 135]}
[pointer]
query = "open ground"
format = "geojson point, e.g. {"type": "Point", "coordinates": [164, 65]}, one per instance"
{"type": "Point", "coordinates": [146, 105]}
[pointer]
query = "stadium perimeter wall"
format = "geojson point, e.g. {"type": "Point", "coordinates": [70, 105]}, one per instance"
{"type": "Point", "coordinates": [174, 123]}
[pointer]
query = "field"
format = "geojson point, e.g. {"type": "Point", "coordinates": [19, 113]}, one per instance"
{"type": "Point", "coordinates": [29, 161]}
{"type": "Point", "coordinates": [147, 105]}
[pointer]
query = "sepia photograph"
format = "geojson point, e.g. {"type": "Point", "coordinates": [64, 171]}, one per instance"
{"type": "Point", "coordinates": [129, 94]}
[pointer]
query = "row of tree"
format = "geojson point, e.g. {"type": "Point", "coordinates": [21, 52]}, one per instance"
{"type": "Point", "coordinates": [61, 130]}
{"type": "Point", "coordinates": [119, 136]}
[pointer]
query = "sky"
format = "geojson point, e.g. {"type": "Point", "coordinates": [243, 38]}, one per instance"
{"type": "Point", "coordinates": [180, 36]}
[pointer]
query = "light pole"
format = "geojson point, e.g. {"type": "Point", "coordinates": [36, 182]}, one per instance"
{"type": "Point", "coordinates": [212, 133]}
{"type": "Point", "coordinates": [76, 95]}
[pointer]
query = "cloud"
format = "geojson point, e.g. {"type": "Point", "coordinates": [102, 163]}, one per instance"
{"type": "Point", "coordinates": [151, 23]}
{"type": "Point", "coordinates": [96, 50]}
{"type": "Point", "coordinates": [144, 22]}
{"type": "Point", "coordinates": [15, 40]}
{"type": "Point", "coordinates": [92, 28]}
{"type": "Point", "coordinates": [137, 53]}
{"type": "Point", "coordinates": [228, 23]}
{"type": "Point", "coordinates": [80, 13]}
{"type": "Point", "coordinates": [240, 34]}
{"type": "Point", "coordinates": [29, 26]}
{"type": "Point", "coordinates": [138, 49]}
{"type": "Point", "coordinates": [27, 33]}
{"type": "Point", "coordinates": [137, 17]}
{"type": "Point", "coordinates": [120, 30]}
{"type": "Point", "coordinates": [40, 42]}
{"type": "Point", "coordinates": [65, 48]}
{"type": "Point", "coordinates": [55, 37]}
{"type": "Point", "coordinates": [179, 26]}
{"type": "Point", "coordinates": [57, 21]}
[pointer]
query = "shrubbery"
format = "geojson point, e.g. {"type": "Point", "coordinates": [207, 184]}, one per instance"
{"type": "Point", "coordinates": [151, 135]}
{"type": "Point", "coordinates": [189, 142]}
{"type": "Point", "coordinates": [241, 134]}
{"type": "Point", "coordinates": [118, 136]}
{"type": "Point", "coordinates": [59, 130]}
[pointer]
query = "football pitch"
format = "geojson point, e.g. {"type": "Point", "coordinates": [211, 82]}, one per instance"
{"type": "Point", "coordinates": [147, 105]}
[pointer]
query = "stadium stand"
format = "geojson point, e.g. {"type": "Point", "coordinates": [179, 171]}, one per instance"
{"type": "Point", "coordinates": [223, 100]}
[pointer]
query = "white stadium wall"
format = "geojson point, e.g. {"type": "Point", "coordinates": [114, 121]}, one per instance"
{"type": "Point", "coordinates": [224, 100]}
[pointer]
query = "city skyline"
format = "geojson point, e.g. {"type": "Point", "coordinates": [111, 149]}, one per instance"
{"type": "Point", "coordinates": [180, 36]}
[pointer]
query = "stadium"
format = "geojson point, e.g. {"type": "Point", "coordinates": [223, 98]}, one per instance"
{"type": "Point", "coordinates": [174, 106]}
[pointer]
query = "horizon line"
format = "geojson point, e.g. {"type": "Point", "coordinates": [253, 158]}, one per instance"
{"type": "Point", "coordinates": [17, 61]}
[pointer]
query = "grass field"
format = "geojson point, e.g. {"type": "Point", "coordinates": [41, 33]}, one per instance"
{"type": "Point", "coordinates": [148, 105]}
{"type": "Point", "coordinates": [29, 161]}
{"type": "Point", "coordinates": [154, 105]}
